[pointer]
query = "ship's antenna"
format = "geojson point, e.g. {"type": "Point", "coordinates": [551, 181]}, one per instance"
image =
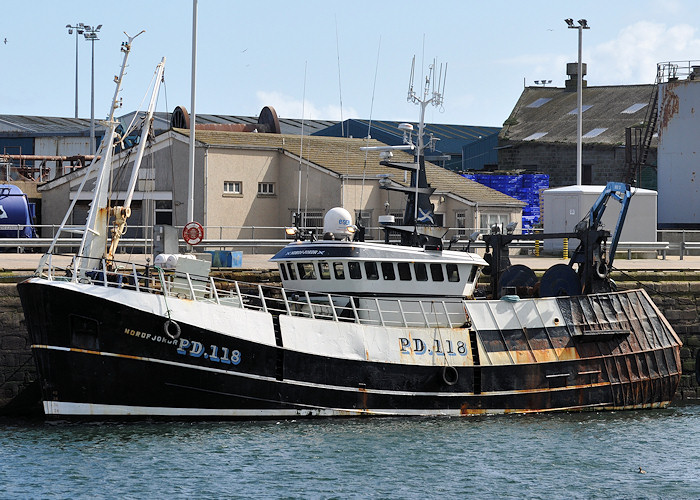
{"type": "Point", "coordinates": [431, 95]}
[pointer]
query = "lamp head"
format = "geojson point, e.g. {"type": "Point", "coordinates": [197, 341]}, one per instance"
{"type": "Point", "coordinates": [570, 22]}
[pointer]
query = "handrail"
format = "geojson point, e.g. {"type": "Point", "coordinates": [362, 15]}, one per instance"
{"type": "Point", "coordinates": [264, 298]}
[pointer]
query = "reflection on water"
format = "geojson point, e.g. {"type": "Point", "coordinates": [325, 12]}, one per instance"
{"type": "Point", "coordinates": [578, 455]}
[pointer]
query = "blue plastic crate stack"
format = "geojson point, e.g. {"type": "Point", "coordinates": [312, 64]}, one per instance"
{"type": "Point", "coordinates": [524, 187]}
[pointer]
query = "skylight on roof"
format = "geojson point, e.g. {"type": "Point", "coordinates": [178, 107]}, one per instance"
{"type": "Point", "coordinates": [584, 108]}
{"type": "Point", "coordinates": [594, 133]}
{"type": "Point", "coordinates": [535, 136]}
{"type": "Point", "coordinates": [634, 108]}
{"type": "Point", "coordinates": [539, 102]}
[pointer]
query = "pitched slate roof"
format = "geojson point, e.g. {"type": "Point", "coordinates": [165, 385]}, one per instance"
{"type": "Point", "coordinates": [343, 157]}
{"type": "Point", "coordinates": [544, 114]}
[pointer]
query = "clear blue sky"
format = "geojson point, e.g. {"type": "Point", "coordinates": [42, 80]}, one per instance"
{"type": "Point", "coordinates": [252, 54]}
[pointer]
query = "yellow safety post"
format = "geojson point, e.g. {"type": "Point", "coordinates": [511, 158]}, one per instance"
{"type": "Point", "coordinates": [566, 248]}
{"type": "Point", "coordinates": [537, 248]}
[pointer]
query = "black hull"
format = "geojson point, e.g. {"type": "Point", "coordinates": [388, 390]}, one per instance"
{"type": "Point", "coordinates": [93, 362]}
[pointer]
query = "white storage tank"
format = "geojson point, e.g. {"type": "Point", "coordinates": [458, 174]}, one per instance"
{"type": "Point", "coordinates": [565, 207]}
{"type": "Point", "coordinates": [678, 153]}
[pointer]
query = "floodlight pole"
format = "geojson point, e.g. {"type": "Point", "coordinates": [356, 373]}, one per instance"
{"type": "Point", "coordinates": [78, 31]}
{"type": "Point", "coordinates": [91, 35]}
{"type": "Point", "coordinates": [582, 25]}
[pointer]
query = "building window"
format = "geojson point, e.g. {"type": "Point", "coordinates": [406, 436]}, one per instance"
{"type": "Point", "coordinates": [587, 174]}
{"type": "Point", "coordinates": [233, 187]}
{"type": "Point", "coordinates": [164, 212]}
{"type": "Point", "coordinates": [266, 188]}
{"type": "Point", "coordinates": [488, 220]}
{"type": "Point", "coordinates": [461, 223]}
{"type": "Point", "coordinates": [363, 217]}
{"type": "Point", "coordinates": [398, 217]}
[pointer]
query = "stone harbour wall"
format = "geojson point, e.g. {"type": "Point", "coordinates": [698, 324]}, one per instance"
{"type": "Point", "coordinates": [17, 370]}
{"type": "Point", "coordinates": [679, 301]}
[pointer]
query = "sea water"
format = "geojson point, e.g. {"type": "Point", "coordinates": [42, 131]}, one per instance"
{"type": "Point", "coordinates": [563, 455]}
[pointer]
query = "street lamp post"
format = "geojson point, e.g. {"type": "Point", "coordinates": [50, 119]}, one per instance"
{"type": "Point", "coordinates": [91, 35]}
{"type": "Point", "coordinates": [79, 29]}
{"type": "Point", "coordinates": [582, 25]}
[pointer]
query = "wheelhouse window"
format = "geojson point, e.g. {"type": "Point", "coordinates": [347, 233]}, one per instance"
{"type": "Point", "coordinates": [473, 273]}
{"type": "Point", "coordinates": [339, 270]}
{"type": "Point", "coordinates": [404, 271]}
{"type": "Point", "coordinates": [371, 271]}
{"type": "Point", "coordinates": [306, 271]}
{"type": "Point", "coordinates": [233, 187]}
{"type": "Point", "coordinates": [436, 272]}
{"type": "Point", "coordinates": [388, 271]}
{"type": "Point", "coordinates": [283, 272]}
{"type": "Point", "coordinates": [354, 270]}
{"type": "Point", "coordinates": [292, 272]}
{"type": "Point", "coordinates": [421, 271]}
{"type": "Point", "coordinates": [324, 270]}
{"type": "Point", "coordinates": [452, 272]}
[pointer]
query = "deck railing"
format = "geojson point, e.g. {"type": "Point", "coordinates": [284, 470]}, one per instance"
{"type": "Point", "coordinates": [275, 300]}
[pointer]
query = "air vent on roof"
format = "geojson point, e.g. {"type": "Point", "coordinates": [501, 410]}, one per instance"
{"type": "Point", "coordinates": [539, 102]}
{"type": "Point", "coordinates": [594, 133]}
{"type": "Point", "coordinates": [634, 108]}
{"type": "Point", "coordinates": [584, 108]}
{"type": "Point", "coordinates": [535, 136]}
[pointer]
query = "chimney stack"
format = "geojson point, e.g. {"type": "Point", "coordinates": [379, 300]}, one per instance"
{"type": "Point", "coordinates": [572, 73]}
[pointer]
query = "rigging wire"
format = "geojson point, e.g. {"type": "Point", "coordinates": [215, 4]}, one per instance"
{"type": "Point", "coordinates": [340, 89]}
{"type": "Point", "coordinates": [369, 127]}
{"type": "Point", "coordinates": [301, 140]}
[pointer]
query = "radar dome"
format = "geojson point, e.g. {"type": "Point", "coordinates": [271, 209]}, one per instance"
{"type": "Point", "coordinates": [338, 223]}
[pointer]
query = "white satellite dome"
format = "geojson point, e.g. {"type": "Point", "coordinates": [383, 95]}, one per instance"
{"type": "Point", "coordinates": [338, 222]}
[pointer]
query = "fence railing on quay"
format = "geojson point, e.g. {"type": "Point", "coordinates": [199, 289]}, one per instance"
{"type": "Point", "coordinates": [269, 239]}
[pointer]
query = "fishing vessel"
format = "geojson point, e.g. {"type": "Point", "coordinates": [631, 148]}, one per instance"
{"type": "Point", "coordinates": [399, 327]}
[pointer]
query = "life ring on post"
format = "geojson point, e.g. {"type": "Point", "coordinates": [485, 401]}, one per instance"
{"type": "Point", "coordinates": [172, 329]}
{"type": "Point", "coordinates": [450, 375]}
{"type": "Point", "coordinates": [193, 233]}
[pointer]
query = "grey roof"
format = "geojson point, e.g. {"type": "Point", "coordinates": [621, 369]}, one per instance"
{"type": "Point", "coordinates": [287, 125]}
{"type": "Point", "coordinates": [35, 126]}
{"type": "Point", "coordinates": [546, 114]}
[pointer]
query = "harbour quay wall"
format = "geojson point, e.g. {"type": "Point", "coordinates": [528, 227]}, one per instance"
{"type": "Point", "coordinates": [18, 386]}
{"type": "Point", "coordinates": [676, 294]}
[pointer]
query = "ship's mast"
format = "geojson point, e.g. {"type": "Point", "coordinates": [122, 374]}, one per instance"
{"type": "Point", "coordinates": [122, 213]}
{"type": "Point", "coordinates": [431, 95]}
